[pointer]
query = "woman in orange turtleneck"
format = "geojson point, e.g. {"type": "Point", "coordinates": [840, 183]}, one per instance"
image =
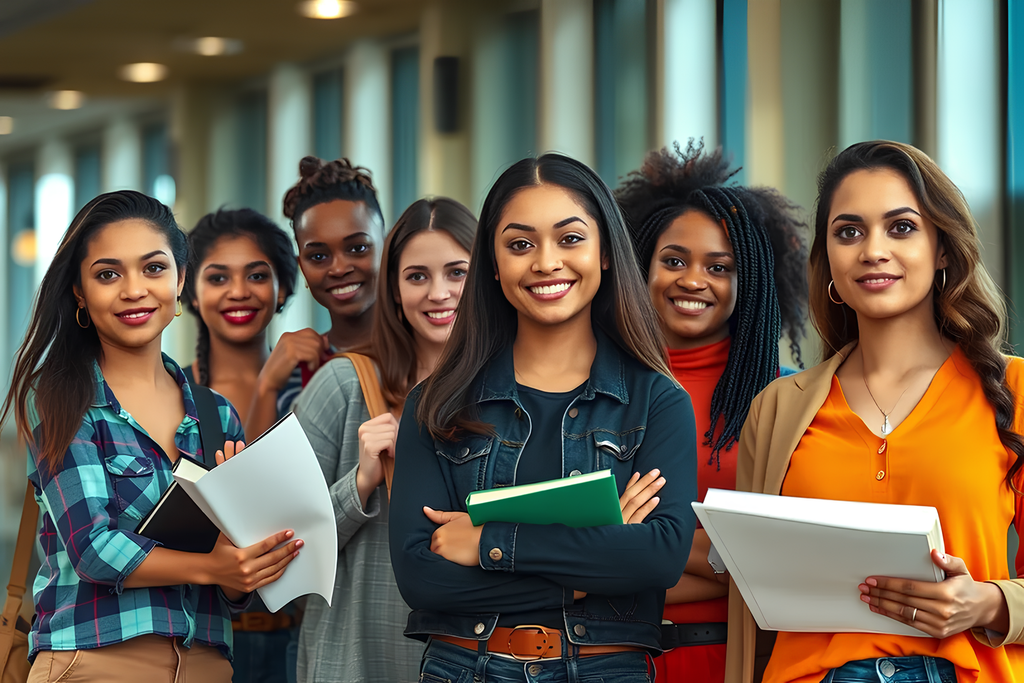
{"type": "Point", "coordinates": [725, 270]}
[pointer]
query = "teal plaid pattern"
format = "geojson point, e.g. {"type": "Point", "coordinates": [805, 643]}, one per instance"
{"type": "Point", "coordinates": [112, 476]}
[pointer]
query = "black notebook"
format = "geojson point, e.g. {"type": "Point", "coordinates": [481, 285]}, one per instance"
{"type": "Point", "coordinates": [177, 522]}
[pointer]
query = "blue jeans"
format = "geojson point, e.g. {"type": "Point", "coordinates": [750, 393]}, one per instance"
{"type": "Point", "coordinates": [264, 657]}
{"type": "Point", "coordinates": [447, 663]}
{"type": "Point", "coordinates": [917, 669]}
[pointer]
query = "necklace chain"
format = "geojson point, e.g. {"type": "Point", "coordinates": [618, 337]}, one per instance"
{"type": "Point", "coordinates": [886, 427]}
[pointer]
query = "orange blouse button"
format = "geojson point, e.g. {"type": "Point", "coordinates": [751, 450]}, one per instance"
{"type": "Point", "coordinates": [881, 449]}
{"type": "Point", "coordinates": [881, 475]}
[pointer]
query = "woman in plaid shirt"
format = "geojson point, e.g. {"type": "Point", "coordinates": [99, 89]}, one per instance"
{"type": "Point", "coordinates": [106, 415]}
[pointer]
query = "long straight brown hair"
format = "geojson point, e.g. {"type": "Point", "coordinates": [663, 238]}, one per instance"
{"type": "Point", "coordinates": [53, 368]}
{"type": "Point", "coordinates": [968, 307]}
{"type": "Point", "coordinates": [487, 322]}
{"type": "Point", "coordinates": [392, 344]}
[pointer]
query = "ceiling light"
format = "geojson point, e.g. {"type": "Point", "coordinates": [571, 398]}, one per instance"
{"type": "Point", "coordinates": [327, 9]}
{"type": "Point", "coordinates": [143, 72]}
{"type": "Point", "coordinates": [209, 46]}
{"type": "Point", "coordinates": [23, 247]}
{"type": "Point", "coordinates": [66, 99]}
{"type": "Point", "coordinates": [6, 125]}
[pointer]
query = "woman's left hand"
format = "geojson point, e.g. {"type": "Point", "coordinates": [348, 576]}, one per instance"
{"type": "Point", "coordinates": [231, 449]}
{"type": "Point", "coordinates": [939, 609]}
{"type": "Point", "coordinates": [456, 540]}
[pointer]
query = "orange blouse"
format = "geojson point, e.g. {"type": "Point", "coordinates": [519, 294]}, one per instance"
{"type": "Point", "coordinates": [946, 454]}
{"type": "Point", "coordinates": [699, 370]}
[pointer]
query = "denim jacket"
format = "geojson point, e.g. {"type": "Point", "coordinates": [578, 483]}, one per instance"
{"type": "Point", "coordinates": [628, 419]}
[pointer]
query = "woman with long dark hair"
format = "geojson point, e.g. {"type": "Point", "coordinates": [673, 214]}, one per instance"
{"type": "Point", "coordinates": [241, 272]}
{"type": "Point", "coordinates": [106, 415]}
{"type": "Point", "coordinates": [425, 259]}
{"type": "Point", "coordinates": [339, 229]}
{"type": "Point", "coordinates": [554, 368]}
{"type": "Point", "coordinates": [914, 404]}
{"type": "Point", "coordinates": [725, 269]}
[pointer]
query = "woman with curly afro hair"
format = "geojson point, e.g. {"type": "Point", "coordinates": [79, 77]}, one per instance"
{"type": "Point", "coordinates": [725, 268]}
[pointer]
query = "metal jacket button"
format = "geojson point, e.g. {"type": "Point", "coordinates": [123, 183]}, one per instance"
{"type": "Point", "coordinates": [479, 628]}
{"type": "Point", "coordinates": [464, 452]}
{"type": "Point", "coordinates": [495, 554]}
{"type": "Point", "coordinates": [535, 669]}
{"type": "Point", "coordinates": [579, 629]}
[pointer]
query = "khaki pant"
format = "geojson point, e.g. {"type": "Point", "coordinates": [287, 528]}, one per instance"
{"type": "Point", "coordinates": [145, 659]}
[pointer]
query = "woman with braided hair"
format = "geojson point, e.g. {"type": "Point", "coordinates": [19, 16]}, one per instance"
{"type": "Point", "coordinates": [725, 271]}
{"type": "Point", "coordinates": [339, 229]}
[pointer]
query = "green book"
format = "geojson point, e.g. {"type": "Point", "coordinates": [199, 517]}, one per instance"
{"type": "Point", "coordinates": [581, 501]}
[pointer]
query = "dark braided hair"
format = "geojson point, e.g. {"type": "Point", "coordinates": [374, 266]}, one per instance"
{"type": "Point", "coordinates": [321, 182]}
{"type": "Point", "coordinates": [765, 234]}
{"type": "Point", "coordinates": [213, 227]}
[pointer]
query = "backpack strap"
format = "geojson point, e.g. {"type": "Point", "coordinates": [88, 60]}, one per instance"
{"type": "Point", "coordinates": [374, 399]}
{"type": "Point", "coordinates": [19, 574]}
{"type": "Point", "coordinates": [211, 432]}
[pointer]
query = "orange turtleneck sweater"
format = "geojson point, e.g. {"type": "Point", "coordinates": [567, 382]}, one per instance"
{"type": "Point", "coordinates": [699, 370]}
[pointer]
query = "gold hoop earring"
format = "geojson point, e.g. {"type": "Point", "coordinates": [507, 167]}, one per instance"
{"type": "Point", "coordinates": [832, 298]}
{"type": "Point", "coordinates": [178, 311]}
{"type": "Point", "coordinates": [943, 287]}
{"type": "Point", "coordinates": [88, 321]}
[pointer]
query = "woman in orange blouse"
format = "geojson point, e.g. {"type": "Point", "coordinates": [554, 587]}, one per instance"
{"type": "Point", "coordinates": [913, 405]}
{"type": "Point", "coordinates": [725, 268]}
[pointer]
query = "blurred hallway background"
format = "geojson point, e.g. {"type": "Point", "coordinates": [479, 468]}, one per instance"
{"type": "Point", "coordinates": [211, 103]}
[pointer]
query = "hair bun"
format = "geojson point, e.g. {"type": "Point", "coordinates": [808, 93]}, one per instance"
{"type": "Point", "coordinates": [309, 165]}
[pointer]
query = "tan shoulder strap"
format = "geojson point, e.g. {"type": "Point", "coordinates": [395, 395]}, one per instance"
{"type": "Point", "coordinates": [374, 398]}
{"type": "Point", "coordinates": [19, 573]}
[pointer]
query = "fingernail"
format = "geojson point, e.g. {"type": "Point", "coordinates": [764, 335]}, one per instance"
{"type": "Point", "coordinates": [864, 588]}
{"type": "Point", "coordinates": [655, 472]}
{"type": "Point", "coordinates": [295, 554]}
{"type": "Point", "coordinates": [871, 582]}
{"type": "Point", "coordinates": [660, 482]}
{"type": "Point", "coordinates": [656, 499]}
{"type": "Point", "coordinates": [289, 534]}
{"type": "Point", "coordinates": [428, 508]}
{"type": "Point", "coordinates": [299, 544]}
{"type": "Point", "coordinates": [866, 599]}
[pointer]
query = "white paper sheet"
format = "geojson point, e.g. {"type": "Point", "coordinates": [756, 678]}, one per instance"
{"type": "Point", "coordinates": [276, 484]}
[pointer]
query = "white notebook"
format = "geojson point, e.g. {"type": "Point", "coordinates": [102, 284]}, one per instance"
{"type": "Point", "coordinates": [798, 561]}
{"type": "Point", "coordinates": [274, 484]}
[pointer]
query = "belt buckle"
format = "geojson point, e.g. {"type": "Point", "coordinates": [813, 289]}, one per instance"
{"type": "Point", "coordinates": [541, 629]}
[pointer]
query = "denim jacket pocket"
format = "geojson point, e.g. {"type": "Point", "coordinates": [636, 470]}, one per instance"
{"type": "Point", "coordinates": [132, 476]}
{"type": "Point", "coordinates": [467, 462]}
{"type": "Point", "coordinates": [620, 445]}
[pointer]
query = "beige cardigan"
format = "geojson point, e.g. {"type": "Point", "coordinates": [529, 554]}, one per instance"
{"type": "Point", "coordinates": [778, 418]}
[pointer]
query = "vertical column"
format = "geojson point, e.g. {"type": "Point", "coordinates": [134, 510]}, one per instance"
{"type": "Point", "coordinates": [765, 134]}
{"type": "Point", "coordinates": [875, 71]}
{"type": "Point", "coordinates": [445, 31]}
{"type": "Point", "coordinates": [1015, 169]}
{"type": "Point", "coordinates": [567, 78]}
{"type": "Point", "coordinates": [969, 120]}
{"type": "Point", "coordinates": [222, 162]}
{"type": "Point", "coordinates": [55, 193]}
{"type": "Point", "coordinates": [289, 122]}
{"type": "Point", "coordinates": [368, 116]}
{"type": "Point", "coordinates": [5, 261]}
{"type": "Point", "coordinates": [122, 155]}
{"type": "Point", "coordinates": [688, 73]}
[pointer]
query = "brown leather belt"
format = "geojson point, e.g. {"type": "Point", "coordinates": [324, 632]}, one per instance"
{"type": "Point", "coordinates": [527, 643]}
{"type": "Point", "coordinates": [262, 621]}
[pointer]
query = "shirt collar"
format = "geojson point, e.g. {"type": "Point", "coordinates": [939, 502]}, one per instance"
{"type": "Point", "coordinates": [104, 395]}
{"type": "Point", "coordinates": [607, 374]}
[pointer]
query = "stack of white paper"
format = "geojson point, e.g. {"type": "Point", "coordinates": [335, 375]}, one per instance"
{"type": "Point", "coordinates": [274, 484]}
{"type": "Point", "coordinates": [798, 561]}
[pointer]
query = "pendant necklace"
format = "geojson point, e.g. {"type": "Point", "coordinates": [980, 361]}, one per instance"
{"type": "Point", "coordinates": [886, 427]}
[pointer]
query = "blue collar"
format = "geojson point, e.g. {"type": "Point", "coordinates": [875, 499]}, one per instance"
{"type": "Point", "coordinates": [104, 396]}
{"type": "Point", "coordinates": [496, 380]}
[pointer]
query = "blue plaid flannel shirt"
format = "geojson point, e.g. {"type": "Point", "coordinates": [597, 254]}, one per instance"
{"type": "Point", "coordinates": [112, 476]}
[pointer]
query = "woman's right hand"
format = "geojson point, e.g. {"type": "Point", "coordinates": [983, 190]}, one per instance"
{"type": "Point", "coordinates": [243, 570]}
{"type": "Point", "coordinates": [640, 497]}
{"type": "Point", "coordinates": [376, 440]}
{"type": "Point", "coordinates": [304, 346]}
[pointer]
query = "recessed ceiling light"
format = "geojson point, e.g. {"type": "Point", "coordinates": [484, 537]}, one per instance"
{"type": "Point", "coordinates": [6, 125]}
{"type": "Point", "coordinates": [209, 46]}
{"type": "Point", "coordinates": [327, 9]}
{"type": "Point", "coordinates": [143, 72]}
{"type": "Point", "coordinates": [66, 99]}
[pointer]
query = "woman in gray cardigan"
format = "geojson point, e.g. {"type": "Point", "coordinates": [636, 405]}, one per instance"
{"type": "Point", "coordinates": [425, 258]}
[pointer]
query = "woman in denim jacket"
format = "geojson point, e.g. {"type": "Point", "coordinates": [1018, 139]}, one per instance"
{"type": "Point", "coordinates": [554, 368]}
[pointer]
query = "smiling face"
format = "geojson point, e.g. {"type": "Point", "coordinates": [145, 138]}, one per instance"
{"type": "Point", "coordinates": [129, 284]}
{"type": "Point", "coordinates": [692, 281]}
{"type": "Point", "coordinates": [431, 272]}
{"type": "Point", "coordinates": [547, 251]}
{"type": "Point", "coordinates": [236, 289]}
{"type": "Point", "coordinates": [339, 254]}
{"type": "Point", "coordinates": [883, 252]}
